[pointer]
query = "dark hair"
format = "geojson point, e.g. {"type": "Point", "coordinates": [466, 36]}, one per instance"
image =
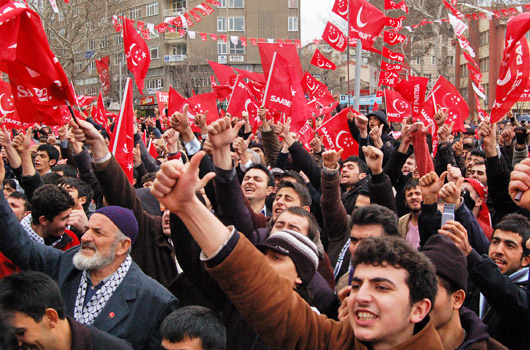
{"type": "Point", "coordinates": [265, 170]}
{"type": "Point", "coordinates": [31, 293]}
{"type": "Point", "coordinates": [20, 195]}
{"type": "Point", "coordinates": [68, 170]}
{"type": "Point", "coordinates": [448, 285]}
{"type": "Point", "coordinates": [411, 184]}
{"type": "Point", "coordinates": [52, 152]}
{"type": "Point", "coordinates": [294, 175]}
{"type": "Point", "coordinates": [49, 201]}
{"type": "Point", "coordinates": [8, 340]}
{"type": "Point", "coordinates": [148, 177]}
{"type": "Point", "coordinates": [51, 178]}
{"type": "Point", "coordinates": [516, 223]}
{"type": "Point", "coordinates": [192, 322]}
{"type": "Point", "coordinates": [313, 232]}
{"type": "Point", "coordinates": [397, 252]}
{"type": "Point", "coordinates": [83, 189]}
{"type": "Point", "coordinates": [375, 214]}
{"type": "Point", "coordinates": [479, 153]}
{"type": "Point", "coordinates": [11, 183]}
{"type": "Point", "coordinates": [301, 191]}
{"type": "Point", "coordinates": [363, 168]}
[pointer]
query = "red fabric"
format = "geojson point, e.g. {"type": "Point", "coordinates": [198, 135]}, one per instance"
{"type": "Point", "coordinates": [175, 102]}
{"type": "Point", "coordinates": [122, 141]}
{"type": "Point", "coordinates": [162, 100]}
{"type": "Point", "coordinates": [241, 100]}
{"type": "Point", "coordinates": [484, 213]}
{"type": "Point", "coordinates": [84, 101]}
{"type": "Point", "coordinates": [201, 10]}
{"type": "Point", "coordinates": [222, 72]}
{"type": "Point", "coordinates": [137, 53]}
{"type": "Point", "coordinates": [7, 107]}
{"type": "Point", "coordinates": [391, 67]}
{"type": "Point", "coordinates": [390, 5]}
{"type": "Point", "coordinates": [336, 134]}
{"type": "Point", "coordinates": [34, 71]}
{"type": "Point", "coordinates": [205, 102]}
{"type": "Point", "coordinates": [195, 15]}
{"type": "Point", "coordinates": [257, 77]}
{"type": "Point", "coordinates": [321, 61]}
{"type": "Point", "coordinates": [514, 73]}
{"type": "Point", "coordinates": [396, 23]}
{"type": "Point", "coordinates": [366, 21]}
{"type": "Point", "coordinates": [413, 91]}
{"type": "Point", "coordinates": [207, 8]}
{"type": "Point", "coordinates": [340, 7]}
{"type": "Point", "coordinates": [393, 38]}
{"type": "Point", "coordinates": [152, 149]}
{"type": "Point", "coordinates": [103, 67]}
{"type": "Point", "coordinates": [397, 108]}
{"type": "Point", "coordinates": [309, 84]}
{"type": "Point", "coordinates": [421, 151]}
{"type": "Point", "coordinates": [334, 37]}
{"type": "Point", "coordinates": [388, 75]}
{"type": "Point", "coordinates": [391, 55]}
{"type": "Point", "coordinates": [203, 36]}
{"type": "Point", "coordinates": [287, 51]}
{"type": "Point", "coordinates": [75, 240]}
{"type": "Point", "coordinates": [7, 267]}
{"type": "Point", "coordinates": [101, 114]}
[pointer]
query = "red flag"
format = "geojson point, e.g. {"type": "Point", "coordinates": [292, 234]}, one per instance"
{"type": "Point", "coordinates": [152, 149]}
{"type": "Point", "coordinates": [396, 23]}
{"type": "Point", "coordinates": [101, 114]}
{"type": "Point", "coordinates": [514, 72]}
{"type": "Point", "coordinates": [205, 102]}
{"type": "Point", "coordinates": [222, 72]}
{"type": "Point", "coordinates": [257, 77]}
{"type": "Point", "coordinates": [322, 62]}
{"type": "Point", "coordinates": [203, 36]}
{"type": "Point", "coordinates": [388, 75]}
{"type": "Point", "coordinates": [7, 105]}
{"type": "Point", "coordinates": [287, 51]}
{"type": "Point", "coordinates": [195, 15]}
{"type": "Point", "coordinates": [322, 95]}
{"type": "Point", "coordinates": [207, 8]}
{"type": "Point", "coordinates": [390, 5]}
{"type": "Point", "coordinates": [242, 100]}
{"type": "Point", "coordinates": [284, 94]}
{"type": "Point", "coordinates": [176, 103]}
{"type": "Point", "coordinates": [334, 37]}
{"type": "Point", "coordinates": [392, 38]}
{"type": "Point", "coordinates": [470, 59]}
{"type": "Point", "coordinates": [36, 76]}
{"type": "Point", "coordinates": [103, 67]}
{"type": "Point", "coordinates": [253, 41]}
{"type": "Point", "coordinates": [162, 101]}
{"type": "Point", "coordinates": [387, 81]}
{"type": "Point", "coordinates": [391, 67]}
{"type": "Point", "coordinates": [201, 10]}
{"type": "Point", "coordinates": [214, 2]}
{"type": "Point", "coordinates": [336, 134]}
{"type": "Point", "coordinates": [213, 37]}
{"type": "Point", "coordinates": [391, 55]}
{"type": "Point", "coordinates": [376, 106]}
{"type": "Point", "coordinates": [137, 53]}
{"type": "Point", "coordinates": [310, 84]}
{"type": "Point", "coordinates": [122, 142]}
{"type": "Point", "coordinates": [243, 41]}
{"type": "Point", "coordinates": [445, 95]}
{"type": "Point", "coordinates": [413, 91]}
{"type": "Point", "coordinates": [481, 113]}
{"type": "Point", "coordinates": [340, 7]}
{"type": "Point", "coordinates": [223, 37]}
{"type": "Point", "coordinates": [84, 101]}
{"type": "Point", "coordinates": [366, 21]}
{"type": "Point", "coordinates": [474, 73]}
{"type": "Point", "coordinates": [396, 107]}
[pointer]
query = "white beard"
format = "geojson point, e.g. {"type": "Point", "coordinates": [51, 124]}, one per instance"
{"type": "Point", "coordinates": [95, 262]}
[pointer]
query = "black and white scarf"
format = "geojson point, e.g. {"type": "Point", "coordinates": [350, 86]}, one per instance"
{"type": "Point", "coordinates": [87, 314]}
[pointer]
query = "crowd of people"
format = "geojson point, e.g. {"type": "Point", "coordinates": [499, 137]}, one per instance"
{"type": "Point", "coordinates": [234, 238]}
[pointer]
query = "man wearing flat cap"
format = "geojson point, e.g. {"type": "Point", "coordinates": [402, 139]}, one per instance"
{"type": "Point", "coordinates": [100, 283]}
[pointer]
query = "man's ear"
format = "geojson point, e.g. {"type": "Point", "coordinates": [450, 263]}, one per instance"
{"type": "Point", "coordinates": [362, 176]}
{"type": "Point", "coordinates": [458, 298]}
{"type": "Point", "coordinates": [123, 247]}
{"type": "Point", "coordinates": [298, 280]}
{"type": "Point", "coordinates": [419, 310]}
{"type": "Point", "coordinates": [43, 221]}
{"type": "Point", "coordinates": [52, 162]}
{"type": "Point", "coordinates": [525, 261]}
{"type": "Point", "coordinates": [306, 208]}
{"type": "Point", "coordinates": [270, 189]}
{"type": "Point", "coordinates": [51, 317]}
{"type": "Point", "coordinates": [81, 200]}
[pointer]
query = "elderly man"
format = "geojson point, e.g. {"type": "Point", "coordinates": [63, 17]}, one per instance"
{"type": "Point", "coordinates": [100, 283]}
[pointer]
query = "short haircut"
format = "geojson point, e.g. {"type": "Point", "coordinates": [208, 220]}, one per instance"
{"type": "Point", "coordinates": [83, 189]}
{"type": "Point", "coordinates": [11, 183]}
{"type": "Point", "coordinates": [411, 184]}
{"type": "Point", "coordinates": [363, 168]}
{"type": "Point", "coordinates": [8, 340]}
{"type": "Point", "coordinates": [478, 153]}
{"type": "Point", "coordinates": [301, 191]}
{"type": "Point", "coordinates": [68, 170]}
{"type": "Point", "coordinates": [265, 170]}
{"type": "Point", "coordinates": [294, 175]}
{"type": "Point", "coordinates": [313, 232]}
{"type": "Point", "coordinates": [516, 223]}
{"type": "Point", "coordinates": [375, 214]}
{"type": "Point", "coordinates": [51, 178]}
{"type": "Point", "coordinates": [448, 285]}
{"type": "Point", "coordinates": [397, 252]}
{"type": "Point", "coordinates": [49, 201]}
{"type": "Point", "coordinates": [195, 322]}
{"type": "Point", "coordinates": [148, 177]}
{"type": "Point", "coordinates": [20, 195]}
{"type": "Point", "coordinates": [31, 293]}
{"type": "Point", "coordinates": [52, 152]}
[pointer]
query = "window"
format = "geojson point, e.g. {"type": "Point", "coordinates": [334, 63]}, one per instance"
{"type": "Point", "coordinates": [78, 66]}
{"type": "Point", "coordinates": [484, 64]}
{"type": "Point", "coordinates": [91, 45]}
{"type": "Point", "coordinates": [236, 4]}
{"type": "Point", "coordinates": [293, 4]}
{"type": "Point", "coordinates": [463, 69]}
{"type": "Point", "coordinates": [484, 38]}
{"type": "Point", "coordinates": [151, 8]}
{"type": "Point", "coordinates": [155, 84]}
{"type": "Point", "coordinates": [450, 60]}
{"type": "Point", "coordinates": [119, 57]}
{"type": "Point", "coordinates": [527, 35]}
{"type": "Point", "coordinates": [221, 48]}
{"type": "Point", "coordinates": [92, 65]}
{"type": "Point", "coordinates": [154, 52]}
{"type": "Point", "coordinates": [293, 24]}
{"type": "Point", "coordinates": [119, 39]}
{"type": "Point", "coordinates": [178, 49]}
{"type": "Point", "coordinates": [433, 60]}
{"type": "Point", "coordinates": [135, 12]}
{"type": "Point", "coordinates": [237, 49]}
{"type": "Point", "coordinates": [236, 23]}
{"type": "Point", "coordinates": [222, 2]}
{"type": "Point", "coordinates": [463, 92]}
{"type": "Point", "coordinates": [221, 24]}
{"type": "Point", "coordinates": [486, 88]}
{"type": "Point", "coordinates": [418, 60]}
{"type": "Point", "coordinates": [104, 42]}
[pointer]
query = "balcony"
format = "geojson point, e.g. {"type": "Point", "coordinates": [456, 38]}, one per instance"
{"type": "Point", "coordinates": [174, 38]}
{"type": "Point", "coordinates": [174, 12]}
{"type": "Point", "coordinates": [173, 59]}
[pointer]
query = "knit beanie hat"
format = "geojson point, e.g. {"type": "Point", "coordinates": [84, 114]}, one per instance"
{"type": "Point", "coordinates": [123, 218]}
{"type": "Point", "coordinates": [301, 250]}
{"type": "Point", "coordinates": [450, 262]}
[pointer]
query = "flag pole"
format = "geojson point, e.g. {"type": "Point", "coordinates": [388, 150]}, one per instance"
{"type": "Point", "coordinates": [348, 60]}
{"type": "Point", "coordinates": [269, 79]}
{"type": "Point", "coordinates": [120, 117]}
{"type": "Point", "coordinates": [358, 66]}
{"type": "Point", "coordinates": [71, 112]}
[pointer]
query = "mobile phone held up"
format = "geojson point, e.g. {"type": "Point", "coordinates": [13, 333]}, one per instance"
{"type": "Point", "coordinates": [448, 214]}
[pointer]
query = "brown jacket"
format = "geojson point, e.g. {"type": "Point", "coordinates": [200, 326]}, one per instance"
{"type": "Point", "coordinates": [281, 317]}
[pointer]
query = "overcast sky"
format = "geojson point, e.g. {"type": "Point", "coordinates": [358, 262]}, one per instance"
{"type": "Point", "coordinates": [315, 15]}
